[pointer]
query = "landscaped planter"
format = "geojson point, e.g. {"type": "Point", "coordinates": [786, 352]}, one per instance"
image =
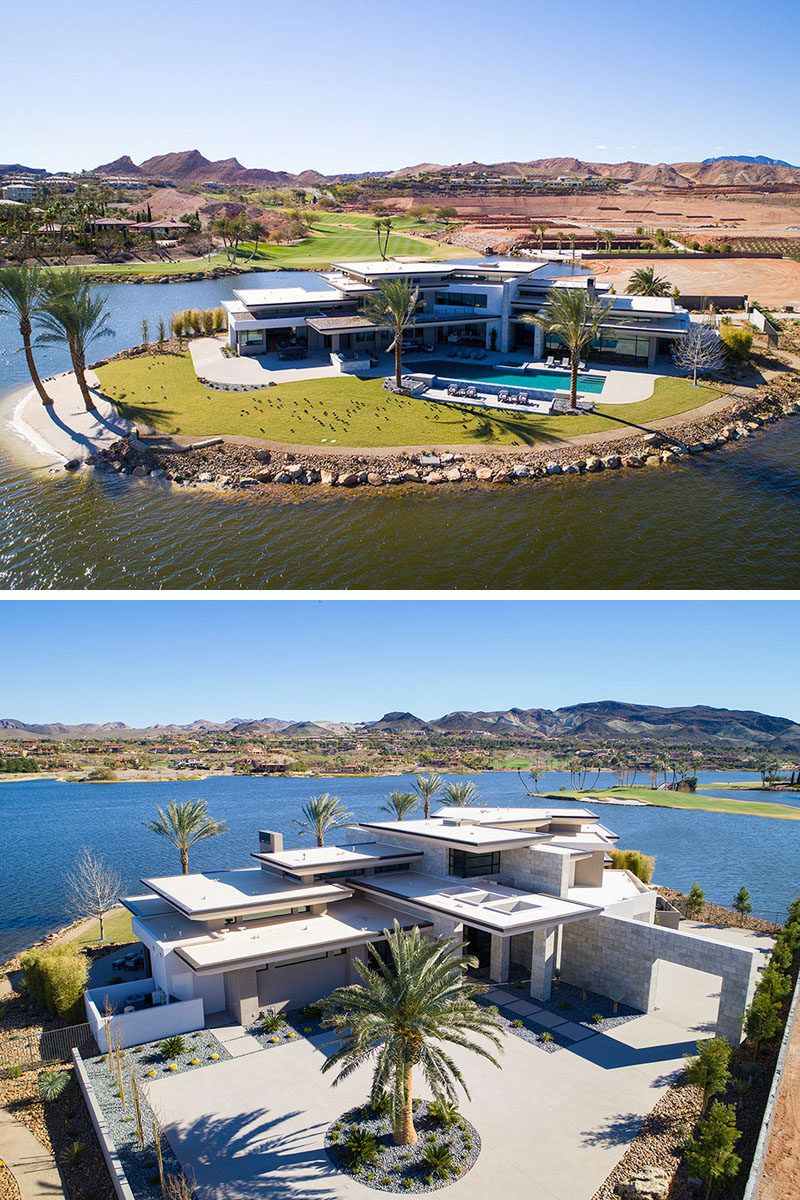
{"type": "Point", "coordinates": [296, 1025]}
{"type": "Point", "coordinates": [403, 1168]}
{"type": "Point", "coordinates": [566, 1005]}
{"type": "Point", "coordinates": [147, 1064]}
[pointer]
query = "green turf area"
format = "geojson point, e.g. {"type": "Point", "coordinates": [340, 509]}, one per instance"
{"type": "Point", "coordinates": [190, 266]}
{"type": "Point", "coordinates": [721, 804]}
{"type": "Point", "coordinates": [163, 391]}
{"type": "Point", "coordinates": [117, 929]}
{"type": "Point", "coordinates": [339, 237]}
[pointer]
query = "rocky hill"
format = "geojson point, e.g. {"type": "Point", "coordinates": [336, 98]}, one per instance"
{"type": "Point", "coordinates": [598, 721]}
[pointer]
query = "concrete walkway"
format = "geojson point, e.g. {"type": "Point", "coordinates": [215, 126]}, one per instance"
{"type": "Point", "coordinates": [553, 1125]}
{"type": "Point", "coordinates": [65, 430]}
{"type": "Point", "coordinates": [33, 1167]}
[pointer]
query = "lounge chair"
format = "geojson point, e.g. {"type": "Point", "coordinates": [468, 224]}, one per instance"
{"type": "Point", "coordinates": [452, 390]}
{"type": "Point", "coordinates": [472, 392]}
{"type": "Point", "coordinates": [565, 364]}
{"type": "Point", "coordinates": [550, 361]}
{"type": "Point", "coordinates": [502, 397]}
{"type": "Point", "coordinates": [581, 365]}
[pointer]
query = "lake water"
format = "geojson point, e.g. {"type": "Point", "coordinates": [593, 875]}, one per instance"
{"type": "Point", "coordinates": [46, 824]}
{"type": "Point", "coordinates": [730, 519]}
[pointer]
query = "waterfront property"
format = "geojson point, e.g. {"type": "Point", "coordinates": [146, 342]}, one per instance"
{"type": "Point", "coordinates": [482, 305]}
{"type": "Point", "coordinates": [527, 890]}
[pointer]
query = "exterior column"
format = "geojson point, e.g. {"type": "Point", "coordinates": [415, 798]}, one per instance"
{"type": "Point", "coordinates": [542, 963]}
{"type": "Point", "coordinates": [652, 345]}
{"type": "Point", "coordinates": [500, 959]}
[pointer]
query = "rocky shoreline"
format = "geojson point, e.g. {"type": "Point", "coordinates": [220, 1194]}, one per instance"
{"type": "Point", "coordinates": [234, 466]}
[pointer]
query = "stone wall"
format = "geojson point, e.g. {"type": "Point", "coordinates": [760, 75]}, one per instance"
{"type": "Point", "coordinates": [537, 869]}
{"type": "Point", "coordinates": [620, 959]}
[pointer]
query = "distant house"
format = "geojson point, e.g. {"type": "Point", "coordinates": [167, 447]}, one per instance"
{"type": "Point", "coordinates": [163, 229]}
{"type": "Point", "coordinates": [20, 193]}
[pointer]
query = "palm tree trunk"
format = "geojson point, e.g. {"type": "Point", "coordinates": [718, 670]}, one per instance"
{"type": "Point", "coordinates": [184, 861]}
{"type": "Point", "coordinates": [405, 1134]}
{"type": "Point", "coordinates": [398, 360]}
{"type": "Point", "coordinates": [37, 383]}
{"type": "Point", "coordinates": [79, 367]}
{"type": "Point", "coordinates": [573, 380]}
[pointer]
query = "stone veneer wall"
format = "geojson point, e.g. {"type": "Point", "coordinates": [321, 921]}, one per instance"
{"type": "Point", "coordinates": [620, 959]}
{"type": "Point", "coordinates": [537, 869]}
{"type": "Point", "coordinates": [433, 862]}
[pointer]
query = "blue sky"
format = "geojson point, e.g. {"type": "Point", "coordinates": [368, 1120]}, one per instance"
{"type": "Point", "coordinates": [156, 661]}
{"type": "Point", "coordinates": [357, 85]}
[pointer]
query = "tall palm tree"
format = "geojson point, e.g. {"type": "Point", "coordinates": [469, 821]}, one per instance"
{"type": "Point", "coordinates": [400, 804]}
{"type": "Point", "coordinates": [321, 814]}
{"type": "Point", "coordinates": [185, 823]}
{"type": "Point", "coordinates": [427, 788]}
{"type": "Point", "coordinates": [645, 282]}
{"type": "Point", "coordinates": [395, 305]}
{"type": "Point", "coordinates": [21, 297]}
{"type": "Point", "coordinates": [461, 793]}
{"type": "Point", "coordinates": [400, 1016]}
{"type": "Point", "coordinates": [256, 231]}
{"type": "Point", "coordinates": [575, 317]}
{"type": "Point", "coordinates": [73, 315]}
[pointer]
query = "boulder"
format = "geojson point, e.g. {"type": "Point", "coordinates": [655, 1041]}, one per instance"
{"type": "Point", "coordinates": [140, 472]}
{"type": "Point", "coordinates": [157, 473]}
{"type": "Point", "coordinates": [374, 478]}
{"type": "Point", "coordinates": [453, 475]}
{"type": "Point", "coordinates": [264, 476]}
{"type": "Point", "coordinates": [552, 468]}
{"type": "Point", "coordinates": [668, 456]}
{"type": "Point", "coordinates": [429, 460]}
{"type": "Point", "coordinates": [411, 475]}
{"type": "Point", "coordinates": [653, 439]}
{"type": "Point", "coordinates": [222, 480]}
{"type": "Point", "coordinates": [434, 477]}
{"type": "Point", "coordinates": [649, 1183]}
{"type": "Point", "coordinates": [446, 458]}
{"type": "Point", "coordinates": [72, 464]}
{"type": "Point", "coordinates": [570, 469]}
{"type": "Point", "coordinates": [696, 447]}
{"type": "Point", "coordinates": [283, 477]}
{"type": "Point", "coordinates": [483, 473]}
{"type": "Point", "coordinates": [520, 470]}
{"type": "Point", "coordinates": [653, 460]}
{"type": "Point", "coordinates": [348, 479]}
{"type": "Point", "coordinates": [327, 477]}
{"type": "Point", "coordinates": [248, 481]}
{"type": "Point", "coordinates": [593, 463]}
{"type": "Point", "coordinates": [295, 469]}
{"type": "Point", "coordinates": [502, 476]}
{"type": "Point", "coordinates": [632, 460]}
{"type": "Point", "coordinates": [611, 462]}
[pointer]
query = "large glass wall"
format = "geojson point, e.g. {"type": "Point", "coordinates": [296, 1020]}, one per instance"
{"type": "Point", "coordinates": [626, 348]}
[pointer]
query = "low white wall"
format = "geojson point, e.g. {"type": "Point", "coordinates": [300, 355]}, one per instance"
{"type": "Point", "coordinates": [144, 1025]}
{"type": "Point", "coordinates": [115, 1170]}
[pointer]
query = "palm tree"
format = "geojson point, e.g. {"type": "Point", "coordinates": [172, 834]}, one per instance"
{"type": "Point", "coordinates": [185, 823]}
{"type": "Point", "coordinates": [645, 282]}
{"type": "Point", "coordinates": [383, 227]}
{"type": "Point", "coordinates": [598, 237]}
{"type": "Point", "coordinates": [400, 1016]}
{"type": "Point", "coordinates": [21, 297]}
{"type": "Point", "coordinates": [573, 237]}
{"type": "Point", "coordinates": [427, 788]}
{"type": "Point", "coordinates": [461, 793]}
{"type": "Point", "coordinates": [256, 231]}
{"type": "Point", "coordinates": [400, 804]}
{"type": "Point", "coordinates": [539, 230]}
{"type": "Point", "coordinates": [395, 305]}
{"type": "Point", "coordinates": [574, 317]}
{"type": "Point", "coordinates": [321, 814]}
{"type": "Point", "coordinates": [73, 315]}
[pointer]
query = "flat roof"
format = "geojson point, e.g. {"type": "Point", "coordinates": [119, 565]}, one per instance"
{"type": "Point", "coordinates": [335, 324]}
{"type": "Point", "coordinates": [479, 902]}
{"type": "Point", "coordinates": [226, 893]}
{"type": "Point", "coordinates": [337, 858]}
{"type": "Point", "coordinates": [485, 814]}
{"type": "Point", "coordinates": [391, 266]}
{"type": "Point", "coordinates": [471, 835]}
{"type": "Point", "coordinates": [261, 297]}
{"type": "Point", "coordinates": [352, 923]}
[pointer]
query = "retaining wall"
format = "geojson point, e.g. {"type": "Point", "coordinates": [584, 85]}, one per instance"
{"type": "Point", "coordinates": [117, 1174]}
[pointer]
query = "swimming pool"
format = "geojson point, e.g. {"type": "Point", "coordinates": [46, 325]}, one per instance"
{"type": "Point", "coordinates": [557, 381]}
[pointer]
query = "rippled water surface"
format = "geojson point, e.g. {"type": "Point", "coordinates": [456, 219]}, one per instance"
{"type": "Point", "coordinates": [730, 519]}
{"type": "Point", "coordinates": [722, 852]}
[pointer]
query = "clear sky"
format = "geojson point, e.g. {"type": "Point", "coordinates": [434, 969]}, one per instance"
{"type": "Point", "coordinates": [158, 661]}
{"type": "Point", "coordinates": [356, 85]}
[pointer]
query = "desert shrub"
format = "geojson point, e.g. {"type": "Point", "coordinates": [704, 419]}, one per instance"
{"type": "Point", "coordinates": [381, 1105]}
{"type": "Point", "coordinates": [443, 1112]}
{"type": "Point", "coordinates": [361, 1147]}
{"type": "Point", "coordinates": [438, 1158]}
{"type": "Point", "coordinates": [596, 1018]}
{"type": "Point", "coordinates": [517, 1023]}
{"type": "Point", "coordinates": [171, 1047]}
{"type": "Point", "coordinates": [738, 342]}
{"type": "Point", "coordinates": [639, 864]}
{"type": "Point", "coordinates": [55, 977]}
{"type": "Point", "coordinates": [546, 1036]}
{"type": "Point", "coordinates": [271, 1021]}
{"type": "Point", "coordinates": [72, 1155]}
{"type": "Point", "coordinates": [52, 1084]}
{"type": "Point", "coordinates": [313, 1011]}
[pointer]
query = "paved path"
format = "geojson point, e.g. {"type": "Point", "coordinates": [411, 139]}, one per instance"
{"type": "Point", "coordinates": [553, 1125]}
{"type": "Point", "coordinates": [65, 429]}
{"type": "Point", "coordinates": [32, 1166]}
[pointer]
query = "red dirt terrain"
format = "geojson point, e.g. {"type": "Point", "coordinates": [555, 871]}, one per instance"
{"type": "Point", "coordinates": [772, 281]}
{"type": "Point", "coordinates": [781, 1179]}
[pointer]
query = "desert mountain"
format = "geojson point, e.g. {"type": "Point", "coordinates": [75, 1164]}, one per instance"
{"type": "Point", "coordinates": [124, 166]}
{"type": "Point", "coordinates": [760, 159]}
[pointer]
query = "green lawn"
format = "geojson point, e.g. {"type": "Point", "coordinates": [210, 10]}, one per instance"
{"type": "Point", "coordinates": [163, 391]}
{"type": "Point", "coordinates": [117, 929]}
{"type": "Point", "coordinates": [187, 267]}
{"type": "Point", "coordinates": [721, 804]}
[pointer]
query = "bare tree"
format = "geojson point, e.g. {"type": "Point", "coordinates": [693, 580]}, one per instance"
{"type": "Point", "coordinates": [700, 350]}
{"type": "Point", "coordinates": [93, 887]}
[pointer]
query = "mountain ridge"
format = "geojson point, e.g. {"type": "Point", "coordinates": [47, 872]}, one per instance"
{"type": "Point", "coordinates": [591, 722]}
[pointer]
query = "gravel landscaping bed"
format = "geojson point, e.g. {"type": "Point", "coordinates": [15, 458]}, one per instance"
{"type": "Point", "coordinates": [403, 1168]}
{"type": "Point", "coordinates": [146, 1063]}
{"type": "Point", "coordinates": [566, 1004]}
{"type": "Point", "coordinates": [294, 1026]}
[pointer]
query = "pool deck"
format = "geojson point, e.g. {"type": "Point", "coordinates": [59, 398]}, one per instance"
{"type": "Point", "coordinates": [624, 385]}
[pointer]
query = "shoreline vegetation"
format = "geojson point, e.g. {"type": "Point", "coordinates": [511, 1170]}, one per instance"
{"type": "Point", "coordinates": [652, 798]}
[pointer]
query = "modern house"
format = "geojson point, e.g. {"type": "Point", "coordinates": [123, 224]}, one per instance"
{"type": "Point", "coordinates": [485, 303]}
{"type": "Point", "coordinates": [527, 890]}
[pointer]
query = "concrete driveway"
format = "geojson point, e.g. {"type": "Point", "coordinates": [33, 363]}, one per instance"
{"type": "Point", "coordinates": [553, 1125]}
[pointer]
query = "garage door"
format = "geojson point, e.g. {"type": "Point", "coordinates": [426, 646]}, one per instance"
{"type": "Point", "coordinates": [291, 985]}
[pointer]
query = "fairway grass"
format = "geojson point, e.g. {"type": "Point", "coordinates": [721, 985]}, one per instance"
{"type": "Point", "coordinates": [690, 800]}
{"type": "Point", "coordinates": [163, 391]}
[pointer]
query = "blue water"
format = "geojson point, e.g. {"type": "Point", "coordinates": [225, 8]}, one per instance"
{"type": "Point", "coordinates": [557, 381]}
{"type": "Point", "coordinates": [46, 823]}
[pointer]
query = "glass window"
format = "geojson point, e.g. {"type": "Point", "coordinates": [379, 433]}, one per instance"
{"type": "Point", "coordinates": [385, 867]}
{"type": "Point", "coordinates": [466, 865]}
{"type": "Point", "coordinates": [251, 337]}
{"type": "Point", "coordinates": [463, 299]}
